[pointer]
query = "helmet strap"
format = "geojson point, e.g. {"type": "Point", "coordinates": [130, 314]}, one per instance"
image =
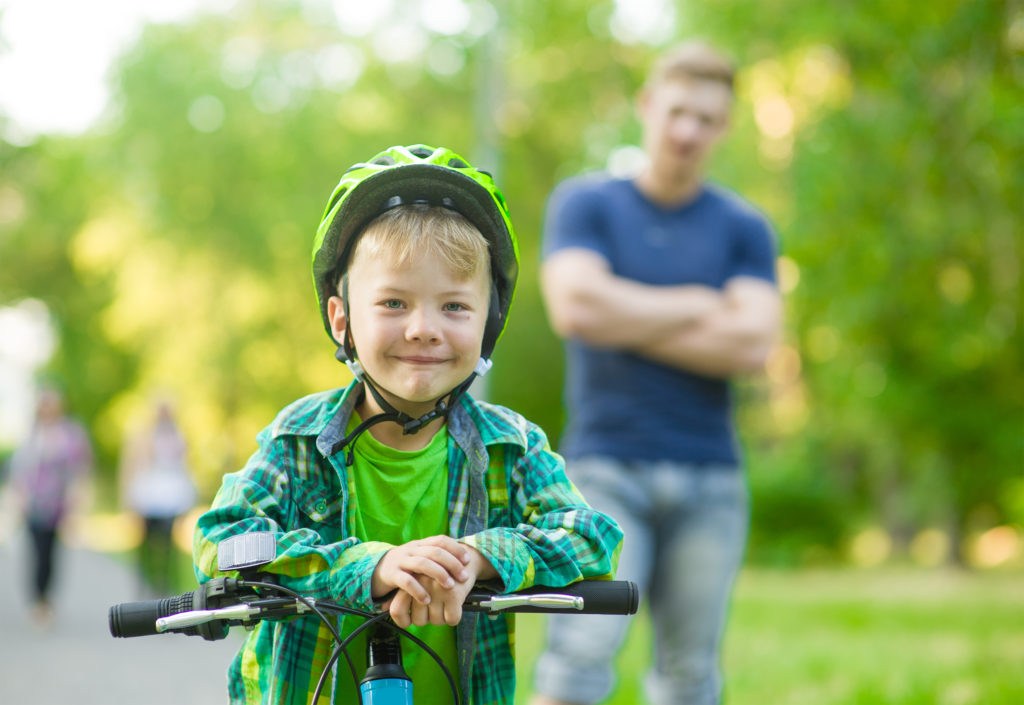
{"type": "Point", "coordinates": [409, 425]}
{"type": "Point", "coordinates": [347, 346]}
{"type": "Point", "coordinates": [492, 329]}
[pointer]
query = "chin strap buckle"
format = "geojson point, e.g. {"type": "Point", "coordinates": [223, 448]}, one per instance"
{"type": "Point", "coordinates": [356, 369]}
{"type": "Point", "coordinates": [483, 365]}
{"type": "Point", "coordinates": [414, 425]}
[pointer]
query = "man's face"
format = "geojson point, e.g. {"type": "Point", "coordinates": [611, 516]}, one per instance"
{"type": "Point", "coordinates": [682, 121]}
{"type": "Point", "coordinates": [417, 328]}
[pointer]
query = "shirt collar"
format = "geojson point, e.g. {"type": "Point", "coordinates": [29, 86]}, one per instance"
{"type": "Point", "coordinates": [327, 418]}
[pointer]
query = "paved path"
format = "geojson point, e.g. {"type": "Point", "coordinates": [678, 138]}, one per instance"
{"type": "Point", "coordinates": [76, 661]}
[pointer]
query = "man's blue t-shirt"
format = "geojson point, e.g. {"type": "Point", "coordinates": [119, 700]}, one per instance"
{"type": "Point", "coordinates": [619, 403]}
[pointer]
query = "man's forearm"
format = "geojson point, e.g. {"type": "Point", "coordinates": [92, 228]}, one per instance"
{"type": "Point", "coordinates": [735, 340]}
{"type": "Point", "coordinates": [708, 354]}
{"type": "Point", "coordinates": [614, 312]}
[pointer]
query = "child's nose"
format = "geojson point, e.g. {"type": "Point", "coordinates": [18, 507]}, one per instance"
{"type": "Point", "coordinates": [423, 326]}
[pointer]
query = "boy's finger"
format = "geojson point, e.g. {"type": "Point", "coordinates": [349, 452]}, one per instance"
{"type": "Point", "coordinates": [420, 614]}
{"type": "Point", "coordinates": [399, 609]}
{"type": "Point", "coordinates": [453, 563]}
{"type": "Point", "coordinates": [452, 613]}
{"type": "Point", "coordinates": [454, 547]}
{"type": "Point", "coordinates": [437, 613]}
{"type": "Point", "coordinates": [411, 586]}
{"type": "Point", "coordinates": [444, 570]}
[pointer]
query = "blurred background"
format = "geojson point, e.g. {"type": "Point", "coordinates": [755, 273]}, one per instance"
{"type": "Point", "coordinates": [163, 167]}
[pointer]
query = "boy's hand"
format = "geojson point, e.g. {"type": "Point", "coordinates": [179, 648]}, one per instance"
{"type": "Point", "coordinates": [444, 603]}
{"type": "Point", "coordinates": [438, 558]}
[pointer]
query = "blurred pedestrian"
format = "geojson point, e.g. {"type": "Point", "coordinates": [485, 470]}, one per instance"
{"type": "Point", "coordinates": [50, 472]}
{"type": "Point", "coordinates": [663, 287]}
{"type": "Point", "coordinates": [157, 486]}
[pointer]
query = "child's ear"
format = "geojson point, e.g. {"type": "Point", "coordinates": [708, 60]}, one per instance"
{"type": "Point", "coordinates": [336, 316]}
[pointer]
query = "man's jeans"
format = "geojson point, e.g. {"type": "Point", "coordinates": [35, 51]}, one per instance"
{"type": "Point", "coordinates": [685, 531]}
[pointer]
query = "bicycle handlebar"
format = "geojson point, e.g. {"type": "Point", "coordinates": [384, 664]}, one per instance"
{"type": "Point", "coordinates": [129, 619]}
{"type": "Point", "coordinates": [218, 604]}
{"type": "Point", "coordinates": [585, 597]}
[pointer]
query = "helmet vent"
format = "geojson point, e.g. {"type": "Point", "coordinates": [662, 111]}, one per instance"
{"type": "Point", "coordinates": [421, 152]}
{"type": "Point", "coordinates": [337, 197]}
{"type": "Point", "coordinates": [457, 164]}
{"type": "Point", "coordinates": [384, 160]}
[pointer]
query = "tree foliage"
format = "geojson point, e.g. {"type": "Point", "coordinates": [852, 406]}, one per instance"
{"type": "Point", "coordinates": [171, 243]}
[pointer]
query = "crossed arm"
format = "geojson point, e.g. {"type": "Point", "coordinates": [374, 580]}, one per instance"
{"type": "Point", "coordinates": [717, 333]}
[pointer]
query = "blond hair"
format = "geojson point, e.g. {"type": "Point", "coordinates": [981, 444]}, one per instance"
{"type": "Point", "coordinates": [695, 60]}
{"type": "Point", "coordinates": [407, 231]}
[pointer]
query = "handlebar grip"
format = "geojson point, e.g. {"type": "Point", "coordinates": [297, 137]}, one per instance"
{"type": "Point", "coordinates": [603, 596]}
{"type": "Point", "coordinates": [129, 619]}
{"type": "Point", "coordinates": [598, 597]}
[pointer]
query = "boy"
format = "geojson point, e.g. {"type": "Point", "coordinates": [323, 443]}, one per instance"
{"type": "Point", "coordinates": [402, 481]}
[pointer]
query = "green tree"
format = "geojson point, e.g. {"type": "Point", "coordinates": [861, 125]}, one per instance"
{"type": "Point", "coordinates": [172, 242]}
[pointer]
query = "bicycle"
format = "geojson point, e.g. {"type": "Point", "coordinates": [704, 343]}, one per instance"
{"type": "Point", "coordinates": [215, 607]}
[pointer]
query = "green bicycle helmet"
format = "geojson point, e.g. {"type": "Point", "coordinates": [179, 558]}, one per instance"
{"type": "Point", "coordinates": [417, 174]}
{"type": "Point", "coordinates": [407, 175]}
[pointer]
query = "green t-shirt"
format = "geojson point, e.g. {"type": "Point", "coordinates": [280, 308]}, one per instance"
{"type": "Point", "coordinates": [399, 496]}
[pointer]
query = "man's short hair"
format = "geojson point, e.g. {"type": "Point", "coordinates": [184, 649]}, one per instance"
{"type": "Point", "coordinates": [694, 59]}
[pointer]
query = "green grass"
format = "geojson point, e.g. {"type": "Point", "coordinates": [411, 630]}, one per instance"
{"type": "Point", "coordinates": [851, 637]}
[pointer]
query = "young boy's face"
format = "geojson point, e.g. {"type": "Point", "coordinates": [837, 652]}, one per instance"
{"type": "Point", "coordinates": [417, 327]}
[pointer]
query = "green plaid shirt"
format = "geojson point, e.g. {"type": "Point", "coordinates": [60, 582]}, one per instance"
{"type": "Point", "coordinates": [508, 497]}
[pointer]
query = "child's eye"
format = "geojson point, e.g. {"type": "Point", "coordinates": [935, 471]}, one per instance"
{"type": "Point", "coordinates": [392, 304]}
{"type": "Point", "coordinates": [453, 307]}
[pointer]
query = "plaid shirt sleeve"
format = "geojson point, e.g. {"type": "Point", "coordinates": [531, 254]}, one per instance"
{"type": "Point", "coordinates": [289, 489]}
{"type": "Point", "coordinates": [541, 531]}
{"type": "Point", "coordinates": [538, 530]}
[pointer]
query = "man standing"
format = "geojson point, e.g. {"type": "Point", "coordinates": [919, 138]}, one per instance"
{"type": "Point", "coordinates": [663, 287]}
